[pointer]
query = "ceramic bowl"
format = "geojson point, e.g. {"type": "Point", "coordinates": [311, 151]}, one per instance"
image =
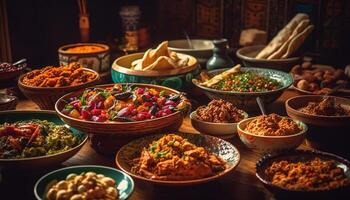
{"type": "Point", "coordinates": [247, 56]}
{"type": "Point", "coordinates": [124, 183]}
{"type": "Point", "coordinates": [179, 79]}
{"type": "Point", "coordinates": [215, 129]}
{"type": "Point", "coordinates": [40, 161]}
{"type": "Point", "coordinates": [247, 100]}
{"type": "Point", "coordinates": [295, 103]}
{"type": "Point", "coordinates": [8, 76]}
{"type": "Point", "coordinates": [270, 143]}
{"type": "Point", "coordinates": [301, 155]}
{"type": "Point", "coordinates": [220, 147]}
{"type": "Point", "coordinates": [8, 102]}
{"type": "Point", "coordinates": [329, 133]}
{"type": "Point", "coordinates": [46, 97]}
{"type": "Point", "coordinates": [98, 61]}
{"type": "Point", "coordinates": [202, 49]}
{"type": "Point", "coordinates": [107, 137]}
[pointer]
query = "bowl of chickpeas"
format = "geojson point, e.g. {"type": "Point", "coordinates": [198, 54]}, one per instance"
{"type": "Point", "coordinates": [84, 182]}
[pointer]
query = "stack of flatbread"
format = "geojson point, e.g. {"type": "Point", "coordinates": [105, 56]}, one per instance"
{"type": "Point", "coordinates": [160, 58]}
{"type": "Point", "coordinates": [289, 39]}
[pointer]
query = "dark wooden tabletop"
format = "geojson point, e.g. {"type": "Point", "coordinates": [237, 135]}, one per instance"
{"type": "Point", "coordinates": [240, 184]}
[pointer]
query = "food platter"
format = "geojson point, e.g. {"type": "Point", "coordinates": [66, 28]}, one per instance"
{"type": "Point", "coordinates": [39, 161]}
{"type": "Point", "coordinates": [222, 148]}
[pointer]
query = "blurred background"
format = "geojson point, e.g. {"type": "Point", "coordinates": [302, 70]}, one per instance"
{"type": "Point", "coordinates": [35, 29]}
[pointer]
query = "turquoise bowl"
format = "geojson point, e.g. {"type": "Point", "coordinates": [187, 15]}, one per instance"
{"type": "Point", "coordinates": [247, 100]}
{"type": "Point", "coordinates": [39, 161]}
{"type": "Point", "coordinates": [176, 79]}
{"type": "Point", "coordinates": [124, 182]}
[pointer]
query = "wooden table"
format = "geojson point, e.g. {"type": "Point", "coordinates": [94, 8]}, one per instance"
{"type": "Point", "coordinates": [240, 184]}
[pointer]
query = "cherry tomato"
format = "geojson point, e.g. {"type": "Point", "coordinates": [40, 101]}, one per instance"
{"type": "Point", "coordinates": [96, 111]}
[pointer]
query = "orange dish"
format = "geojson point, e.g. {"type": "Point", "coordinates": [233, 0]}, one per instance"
{"type": "Point", "coordinates": [272, 125]}
{"type": "Point", "coordinates": [311, 175]}
{"type": "Point", "coordinates": [85, 49]}
{"type": "Point", "coordinates": [50, 76]}
{"type": "Point", "coordinates": [174, 158]}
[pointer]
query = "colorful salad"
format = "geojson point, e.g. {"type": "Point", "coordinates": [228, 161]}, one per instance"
{"type": "Point", "coordinates": [123, 103]}
{"type": "Point", "coordinates": [33, 138]}
{"type": "Point", "coordinates": [247, 82]}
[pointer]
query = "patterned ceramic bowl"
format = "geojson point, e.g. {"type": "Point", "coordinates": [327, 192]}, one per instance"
{"type": "Point", "coordinates": [270, 143]}
{"type": "Point", "coordinates": [247, 100]}
{"type": "Point", "coordinates": [95, 60]}
{"type": "Point", "coordinates": [217, 146]}
{"type": "Point", "coordinates": [178, 79]}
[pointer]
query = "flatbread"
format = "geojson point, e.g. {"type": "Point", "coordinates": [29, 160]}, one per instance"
{"type": "Point", "coordinates": [221, 76]}
{"type": "Point", "coordinates": [152, 55]}
{"type": "Point", "coordinates": [298, 41]}
{"type": "Point", "coordinates": [283, 49]}
{"type": "Point", "coordinates": [282, 36]}
{"type": "Point", "coordinates": [161, 63]}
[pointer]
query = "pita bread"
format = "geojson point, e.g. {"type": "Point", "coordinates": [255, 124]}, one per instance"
{"type": "Point", "coordinates": [221, 76]}
{"type": "Point", "coordinates": [283, 49]}
{"type": "Point", "coordinates": [161, 63]}
{"type": "Point", "coordinates": [282, 36]}
{"type": "Point", "coordinates": [152, 55]}
{"type": "Point", "coordinates": [296, 42]}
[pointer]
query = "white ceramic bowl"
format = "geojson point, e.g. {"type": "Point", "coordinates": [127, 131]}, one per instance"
{"type": "Point", "coordinates": [202, 49]}
{"type": "Point", "coordinates": [270, 143]}
{"type": "Point", "coordinates": [211, 128]}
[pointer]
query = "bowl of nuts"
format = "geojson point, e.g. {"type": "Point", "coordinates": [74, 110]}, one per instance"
{"type": "Point", "coordinates": [84, 182]}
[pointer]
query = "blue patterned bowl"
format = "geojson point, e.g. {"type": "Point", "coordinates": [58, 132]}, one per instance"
{"type": "Point", "coordinates": [247, 100]}
{"type": "Point", "coordinates": [178, 79]}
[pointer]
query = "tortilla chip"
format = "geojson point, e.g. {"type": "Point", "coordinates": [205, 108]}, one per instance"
{"type": "Point", "coordinates": [281, 37]}
{"type": "Point", "coordinates": [298, 41]}
{"type": "Point", "coordinates": [283, 49]}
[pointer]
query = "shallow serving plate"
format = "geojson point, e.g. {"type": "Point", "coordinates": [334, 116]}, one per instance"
{"type": "Point", "coordinates": [40, 161]}
{"type": "Point", "coordinates": [301, 155]}
{"type": "Point", "coordinates": [220, 147]}
{"type": "Point", "coordinates": [124, 182]}
{"type": "Point", "coordinates": [247, 100]}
